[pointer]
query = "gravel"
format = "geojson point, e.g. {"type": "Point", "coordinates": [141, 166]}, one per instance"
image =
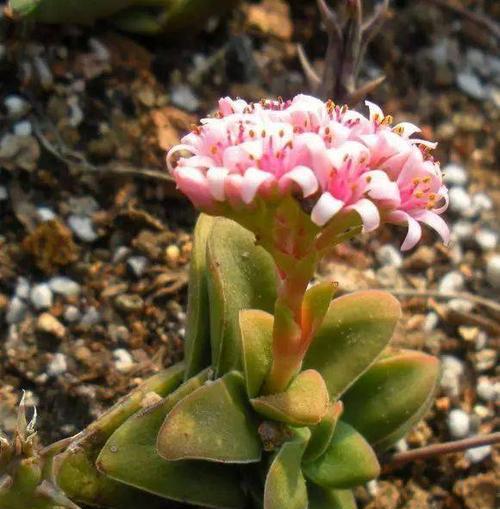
{"type": "Point", "coordinates": [388, 255]}
{"type": "Point", "coordinates": [83, 228]}
{"type": "Point", "coordinates": [58, 365]}
{"type": "Point", "coordinates": [455, 175]}
{"type": "Point", "coordinates": [64, 286]}
{"type": "Point", "coordinates": [137, 264]}
{"type": "Point", "coordinates": [493, 271]}
{"type": "Point", "coordinates": [459, 423]}
{"type": "Point", "coordinates": [460, 202]}
{"type": "Point", "coordinates": [478, 454]}
{"type": "Point", "coordinates": [41, 296]}
{"type": "Point", "coordinates": [452, 282]}
{"type": "Point", "coordinates": [487, 239]}
{"type": "Point", "coordinates": [23, 128]}
{"type": "Point", "coordinates": [123, 360]}
{"type": "Point", "coordinates": [16, 311]}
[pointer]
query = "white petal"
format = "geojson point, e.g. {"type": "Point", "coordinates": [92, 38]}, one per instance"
{"type": "Point", "coordinates": [435, 222]}
{"type": "Point", "coordinates": [304, 177]}
{"type": "Point", "coordinates": [216, 178]}
{"type": "Point", "coordinates": [252, 181]}
{"type": "Point", "coordinates": [406, 129]}
{"type": "Point", "coordinates": [414, 229]}
{"type": "Point", "coordinates": [326, 207]}
{"type": "Point", "coordinates": [174, 150]}
{"type": "Point", "coordinates": [369, 213]}
{"type": "Point", "coordinates": [376, 112]}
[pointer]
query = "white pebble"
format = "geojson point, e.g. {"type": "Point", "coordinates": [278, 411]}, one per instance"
{"type": "Point", "coordinates": [23, 128]}
{"type": "Point", "coordinates": [3, 193]}
{"type": "Point", "coordinates": [16, 106]}
{"type": "Point", "coordinates": [58, 365]}
{"type": "Point", "coordinates": [460, 201]}
{"type": "Point", "coordinates": [478, 454]}
{"type": "Point", "coordinates": [120, 254]}
{"type": "Point", "coordinates": [462, 230]}
{"type": "Point", "coordinates": [137, 264]}
{"type": "Point", "coordinates": [458, 423]}
{"type": "Point", "coordinates": [22, 288]}
{"type": "Point", "coordinates": [493, 271]}
{"type": "Point", "coordinates": [16, 311]}
{"type": "Point", "coordinates": [452, 282]}
{"type": "Point", "coordinates": [83, 228]}
{"type": "Point", "coordinates": [123, 360]}
{"type": "Point", "coordinates": [72, 314]}
{"type": "Point", "coordinates": [452, 372]}
{"type": "Point", "coordinates": [64, 286]}
{"type": "Point", "coordinates": [45, 214]}
{"type": "Point", "coordinates": [430, 322]}
{"type": "Point", "coordinates": [183, 97]}
{"type": "Point", "coordinates": [91, 317]}
{"type": "Point", "coordinates": [41, 296]}
{"type": "Point", "coordinates": [487, 390]}
{"type": "Point", "coordinates": [455, 175]}
{"type": "Point", "coordinates": [461, 305]}
{"type": "Point", "coordinates": [482, 201]}
{"type": "Point", "coordinates": [388, 255]}
{"type": "Point", "coordinates": [487, 239]}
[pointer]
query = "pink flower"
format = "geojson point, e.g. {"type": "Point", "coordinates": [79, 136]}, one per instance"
{"type": "Point", "coordinates": [337, 158]}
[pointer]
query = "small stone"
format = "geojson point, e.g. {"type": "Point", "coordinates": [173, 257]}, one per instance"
{"type": "Point", "coordinates": [460, 202]}
{"type": "Point", "coordinates": [470, 84]}
{"type": "Point", "coordinates": [83, 228]}
{"type": "Point", "coordinates": [493, 271]}
{"type": "Point", "coordinates": [45, 214]}
{"type": "Point", "coordinates": [23, 128]}
{"type": "Point", "coordinates": [172, 254]}
{"type": "Point", "coordinates": [455, 175]}
{"type": "Point", "coordinates": [458, 423]}
{"type": "Point", "coordinates": [22, 288]}
{"type": "Point", "coordinates": [452, 282]}
{"type": "Point", "coordinates": [16, 311]}
{"type": "Point", "coordinates": [430, 322]}
{"type": "Point", "coordinates": [452, 373]}
{"type": "Point", "coordinates": [478, 454]}
{"type": "Point", "coordinates": [388, 255]}
{"type": "Point", "coordinates": [487, 239]}
{"type": "Point", "coordinates": [64, 286]}
{"type": "Point", "coordinates": [91, 317]}
{"type": "Point", "coordinates": [123, 360]}
{"type": "Point", "coordinates": [485, 359]}
{"type": "Point", "coordinates": [482, 201]}
{"type": "Point", "coordinates": [72, 314]}
{"type": "Point", "coordinates": [129, 303]}
{"type": "Point", "coordinates": [183, 97]}
{"type": "Point", "coordinates": [58, 365]}
{"type": "Point", "coordinates": [49, 324]}
{"type": "Point", "coordinates": [83, 205]}
{"type": "Point", "coordinates": [462, 230]}
{"type": "Point", "coordinates": [120, 254]}
{"type": "Point", "coordinates": [16, 106]}
{"type": "Point", "coordinates": [137, 264]}
{"type": "Point", "coordinates": [41, 296]}
{"type": "Point", "coordinates": [482, 412]}
{"type": "Point", "coordinates": [487, 390]}
{"type": "Point", "coordinates": [469, 333]}
{"type": "Point", "coordinates": [461, 305]}
{"type": "Point", "coordinates": [4, 194]}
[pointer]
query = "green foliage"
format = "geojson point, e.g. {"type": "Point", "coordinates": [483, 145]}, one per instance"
{"type": "Point", "coordinates": [357, 327]}
{"type": "Point", "coordinates": [324, 498]}
{"type": "Point", "coordinates": [241, 275]}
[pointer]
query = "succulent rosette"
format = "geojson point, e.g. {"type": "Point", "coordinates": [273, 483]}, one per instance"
{"type": "Point", "coordinates": [331, 159]}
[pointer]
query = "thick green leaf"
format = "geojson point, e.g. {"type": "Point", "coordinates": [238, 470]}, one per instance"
{"type": "Point", "coordinates": [391, 396]}
{"type": "Point", "coordinates": [323, 432]}
{"type": "Point", "coordinates": [197, 344]}
{"type": "Point", "coordinates": [214, 423]}
{"type": "Point", "coordinates": [256, 328]}
{"type": "Point", "coordinates": [240, 276]}
{"type": "Point", "coordinates": [75, 468]}
{"type": "Point", "coordinates": [324, 498]}
{"type": "Point", "coordinates": [348, 461]}
{"type": "Point", "coordinates": [304, 403]}
{"type": "Point", "coordinates": [130, 457]}
{"type": "Point", "coordinates": [315, 305]}
{"type": "Point", "coordinates": [356, 329]}
{"type": "Point", "coordinates": [285, 485]}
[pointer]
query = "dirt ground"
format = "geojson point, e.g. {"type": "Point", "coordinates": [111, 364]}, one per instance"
{"type": "Point", "coordinates": [95, 241]}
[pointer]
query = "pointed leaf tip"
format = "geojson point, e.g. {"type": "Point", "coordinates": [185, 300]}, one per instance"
{"type": "Point", "coordinates": [304, 403]}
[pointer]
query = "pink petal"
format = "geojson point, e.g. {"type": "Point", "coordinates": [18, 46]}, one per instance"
{"type": "Point", "coordinates": [216, 179]}
{"type": "Point", "coordinates": [252, 181]}
{"type": "Point", "coordinates": [414, 230]}
{"type": "Point", "coordinates": [326, 207]}
{"type": "Point", "coordinates": [178, 148]}
{"type": "Point", "coordinates": [193, 183]}
{"type": "Point", "coordinates": [304, 177]}
{"type": "Point", "coordinates": [368, 212]}
{"type": "Point", "coordinates": [435, 222]}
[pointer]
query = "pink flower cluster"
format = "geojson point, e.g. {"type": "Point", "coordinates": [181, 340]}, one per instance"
{"type": "Point", "coordinates": [335, 157]}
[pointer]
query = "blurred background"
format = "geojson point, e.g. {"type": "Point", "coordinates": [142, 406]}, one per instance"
{"type": "Point", "coordinates": [95, 242]}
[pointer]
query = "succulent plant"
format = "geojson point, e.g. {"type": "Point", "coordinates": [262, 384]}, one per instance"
{"type": "Point", "coordinates": [286, 394]}
{"type": "Point", "coordinates": [142, 16]}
